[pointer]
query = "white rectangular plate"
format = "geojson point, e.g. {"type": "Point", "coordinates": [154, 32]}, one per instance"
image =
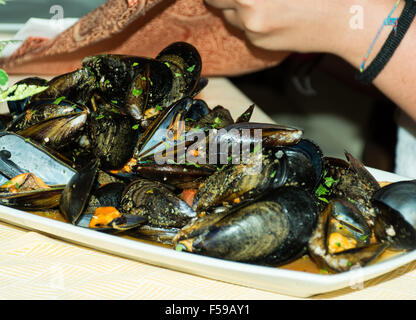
{"type": "Point", "coordinates": [294, 283]}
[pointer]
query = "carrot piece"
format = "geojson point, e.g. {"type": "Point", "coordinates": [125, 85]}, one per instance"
{"type": "Point", "coordinates": [188, 195]}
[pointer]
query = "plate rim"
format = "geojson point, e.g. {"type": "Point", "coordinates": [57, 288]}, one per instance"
{"type": "Point", "coordinates": [304, 284]}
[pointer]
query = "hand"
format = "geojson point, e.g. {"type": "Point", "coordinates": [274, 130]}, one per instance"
{"type": "Point", "coordinates": [293, 25]}
{"type": "Point", "coordinates": [325, 26]}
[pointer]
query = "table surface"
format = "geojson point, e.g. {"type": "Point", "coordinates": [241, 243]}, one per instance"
{"type": "Point", "coordinates": [35, 266]}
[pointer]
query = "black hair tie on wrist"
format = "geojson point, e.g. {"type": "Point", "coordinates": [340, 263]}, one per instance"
{"type": "Point", "coordinates": [391, 44]}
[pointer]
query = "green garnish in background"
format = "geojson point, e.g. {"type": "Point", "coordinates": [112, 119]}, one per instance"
{"type": "Point", "coordinates": [59, 100]}
{"type": "Point", "coordinates": [4, 78]}
{"type": "Point", "coordinates": [20, 92]}
{"type": "Point", "coordinates": [137, 92]}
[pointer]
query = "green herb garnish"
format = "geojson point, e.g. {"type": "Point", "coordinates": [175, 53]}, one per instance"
{"type": "Point", "coordinates": [4, 78]}
{"type": "Point", "coordinates": [59, 100]}
{"type": "Point", "coordinates": [191, 68]}
{"type": "Point", "coordinates": [137, 92]}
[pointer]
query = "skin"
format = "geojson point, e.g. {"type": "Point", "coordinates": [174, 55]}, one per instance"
{"type": "Point", "coordinates": [324, 26]}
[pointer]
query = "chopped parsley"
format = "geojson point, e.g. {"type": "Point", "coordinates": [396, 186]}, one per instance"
{"type": "Point", "coordinates": [4, 78]}
{"type": "Point", "coordinates": [137, 92]}
{"type": "Point", "coordinates": [59, 100]}
{"type": "Point", "coordinates": [191, 68]}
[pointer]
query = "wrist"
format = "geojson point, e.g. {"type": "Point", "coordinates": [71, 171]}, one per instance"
{"type": "Point", "coordinates": [361, 25]}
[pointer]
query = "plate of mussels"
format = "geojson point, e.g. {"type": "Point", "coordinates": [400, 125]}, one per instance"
{"type": "Point", "coordinates": [121, 156]}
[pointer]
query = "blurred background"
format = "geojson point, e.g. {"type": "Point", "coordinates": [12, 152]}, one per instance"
{"type": "Point", "coordinates": [17, 12]}
{"type": "Point", "coordinates": [317, 93]}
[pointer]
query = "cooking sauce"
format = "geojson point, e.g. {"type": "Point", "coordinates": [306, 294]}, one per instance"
{"type": "Point", "coordinates": [304, 264]}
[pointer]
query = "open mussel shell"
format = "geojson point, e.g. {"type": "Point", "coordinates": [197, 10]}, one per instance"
{"type": "Point", "coordinates": [41, 199]}
{"type": "Point", "coordinates": [149, 91]}
{"type": "Point", "coordinates": [164, 132]}
{"type": "Point", "coordinates": [352, 181]}
{"type": "Point", "coordinates": [77, 192]}
{"type": "Point", "coordinates": [246, 115]}
{"type": "Point", "coordinates": [198, 110]}
{"type": "Point", "coordinates": [77, 195]}
{"type": "Point", "coordinates": [51, 123]}
{"type": "Point", "coordinates": [184, 60]}
{"type": "Point", "coordinates": [351, 247]}
{"type": "Point", "coordinates": [43, 109]}
{"type": "Point", "coordinates": [217, 118]}
{"type": "Point", "coordinates": [396, 222]}
{"type": "Point", "coordinates": [262, 134]}
{"type": "Point", "coordinates": [19, 155]}
{"type": "Point", "coordinates": [124, 223]}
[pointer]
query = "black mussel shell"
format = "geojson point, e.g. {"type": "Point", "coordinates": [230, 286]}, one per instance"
{"type": "Point", "coordinates": [114, 74]}
{"type": "Point", "coordinates": [57, 132]}
{"type": "Point", "coordinates": [77, 192]}
{"type": "Point", "coordinates": [124, 223]}
{"type": "Point", "coordinates": [202, 83]}
{"type": "Point", "coordinates": [198, 110]}
{"type": "Point", "coordinates": [302, 213]}
{"type": "Point", "coordinates": [164, 132]}
{"type": "Point", "coordinates": [112, 137]}
{"type": "Point", "coordinates": [270, 230]}
{"type": "Point", "coordinates": [77, 85]}
{"type": "Point", "coordinates": [217, 118]}
{"type": "Point", "coordinates": [157, 203]}
{"type": "Point", "coordinates": [359, 255]}
{"type": "Point", "coordinates": [149, 92]}
{"type": "Point", "coordinates": [304, 164]}
{"type": "Point", "coordinates": [396, 222]}
{"type": "Point", "coordinates": [109, 195]}
{"type": "Point", "coordinates": [353, 182]}
{"type": "Point", "coordinates": [19, 155]}
{"type": "Point", "coordinates": [246, 115]}
{"type": "Point", "coordinates": [184, 60]}
{"type": "Point", "coordinates": [41, 199]}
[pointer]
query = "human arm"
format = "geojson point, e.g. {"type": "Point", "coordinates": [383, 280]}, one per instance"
{"type": "Point", "coordinates": [327, 26]}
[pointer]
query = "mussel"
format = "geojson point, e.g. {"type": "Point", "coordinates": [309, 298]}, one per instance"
{"type": "Point", "coordinates": [396, 222]}
{"type": "Point", "coordinates": [76, 198]}
{"type": "Point", "coordinates": [342, 237]}
{"type": "Point", "coordinates": [23, 161]}
{"type": "Point", "coordinates": [271, 230]}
